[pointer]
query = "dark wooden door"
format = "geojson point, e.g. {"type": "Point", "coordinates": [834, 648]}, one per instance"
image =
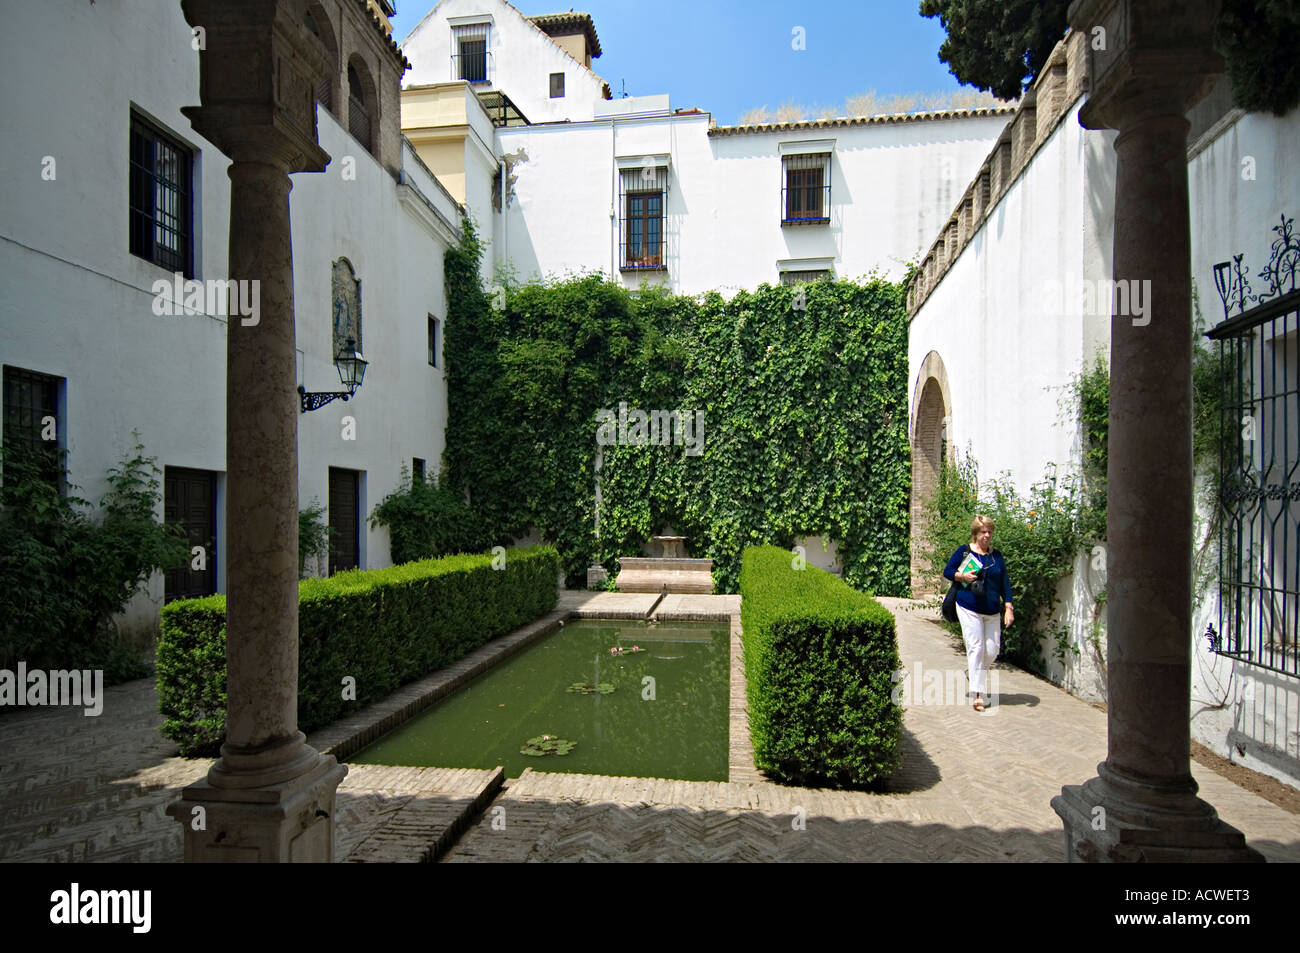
{"type": "Point", "coordinates": [344, 520]}
{"type": "Point", "coordinates": [190, 500]}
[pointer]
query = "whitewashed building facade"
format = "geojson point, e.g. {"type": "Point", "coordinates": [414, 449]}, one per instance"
{"type": "Point", "coordinates": [109, 191]}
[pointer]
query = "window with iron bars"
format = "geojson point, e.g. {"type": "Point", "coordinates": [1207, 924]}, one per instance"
{"type": "Point", "coordinates": [161, 211]}
{"type": "Point", "coordinates": [1259, 497]}
{"type": "Point", "coordinates": [32, 423]}
{"type": "Point", "coordinates": [471, 59]}
{"type": "Point", "coordinates": [798, 277]}
{"type": "Point", "coordinates": [642, 240]}
{"type": "Point", "coordinates": [806, 189]}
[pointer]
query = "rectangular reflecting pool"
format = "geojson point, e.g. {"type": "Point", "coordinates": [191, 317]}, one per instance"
{"type": "Point", "coordinates": [618, 698]}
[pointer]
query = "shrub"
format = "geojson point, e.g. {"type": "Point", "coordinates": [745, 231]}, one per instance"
{"type": "Point", "coordinates": [383, 627]}
{"type": "Point", "coordinates": [313, 534]}
{"type": "Point", "coordinates": [63, 577]}
{"type": "Point", "coordinates": [426, 519]}
{"type": "Point", "coordinates": [1037, 533]}
{"type": "Point", "coordinates": [819, 661]}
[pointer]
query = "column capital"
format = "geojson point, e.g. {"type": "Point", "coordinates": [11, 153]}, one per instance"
{"type": "Point", "coordinates": [259, 67]}
{"type": "Point", "coordinates": [1147, 58]}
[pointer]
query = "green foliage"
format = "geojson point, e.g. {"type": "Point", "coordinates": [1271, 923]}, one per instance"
{"type": "Point", "coordinates": [1037, 533]}
{"type": "Point", "coordinates": [1000, 45]}
{"type": "Point", "coordinates": [543, 745]}
{"type": "Point", "coordinates": [587, 688]}
{"type": "Point", "coordinates": [1091, 392]}
{"type": "Point", "coordinates": [313, 534]}
{"type": "Point", "coordinates": [819, 661]}
{"type": "Point", "coordinates": [381, 627]}
{"type": "Point", "coordinates": [425, 520]}
{"type": "Point", "coordinates": [63, 577]}
{"type": "Point", "coordinates": [1258, 38]}
{"type": "Point", "coordinates": [804, 394]}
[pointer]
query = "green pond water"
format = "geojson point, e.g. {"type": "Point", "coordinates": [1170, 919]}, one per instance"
{"type": "Point", "coordinates": [666, 716]}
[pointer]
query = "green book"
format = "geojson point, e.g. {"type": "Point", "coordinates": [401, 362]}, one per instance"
{"type": "Point", "coordinates": [970, 564]}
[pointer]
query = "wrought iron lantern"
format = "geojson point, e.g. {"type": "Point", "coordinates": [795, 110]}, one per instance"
{"type": "Point", "coordinates": [352, 370]}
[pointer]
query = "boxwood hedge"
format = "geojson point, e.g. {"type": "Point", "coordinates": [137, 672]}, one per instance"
{"type": "Point", "coordinates": [383, 627]}
{"type": "Point", "coordinates": [818, 660]}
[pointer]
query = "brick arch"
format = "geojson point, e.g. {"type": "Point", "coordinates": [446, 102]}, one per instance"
{"type": "Point", "coordinates": [322, 27]}
{"type": "Point", "coordinates": [931, 406]}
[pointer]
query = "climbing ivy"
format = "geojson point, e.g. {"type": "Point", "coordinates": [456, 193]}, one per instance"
{"type": "Point", "coordinates": [803, 398]}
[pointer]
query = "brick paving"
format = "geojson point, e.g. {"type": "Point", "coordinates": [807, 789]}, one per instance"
{"type": "Point", "coordinates": [972, 787]}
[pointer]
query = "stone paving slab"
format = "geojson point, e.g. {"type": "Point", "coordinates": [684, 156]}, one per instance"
{"type": "Point", "coordinates": [404, 815]}
{"type": "Point", "coordinates": [697, 608]}
{"type": "Point", "coordinates": [586, 604]}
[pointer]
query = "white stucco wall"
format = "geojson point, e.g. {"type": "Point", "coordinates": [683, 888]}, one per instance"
{"type": "Point", "coordinates": [1245, 713]}
{"type": "Point", "coordinates": [75, 303]}
{"type": "Point", "coordinates": [1006, 356]}
{"type": "Point", "coordinates": [520, 62]}
{"type": "Point", "coordinates": [1009, 356]}
{"type": "Point", "coordinates": [891, 184]}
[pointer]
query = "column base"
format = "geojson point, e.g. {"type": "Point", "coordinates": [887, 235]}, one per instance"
{"type": "Point", "coordinates": [1118, 818]}
{"type": "Point", "coordinates": [286, 821]}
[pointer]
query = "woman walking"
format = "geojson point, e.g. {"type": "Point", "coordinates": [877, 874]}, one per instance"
{"type": "Point", "coordinates": [985, 586]}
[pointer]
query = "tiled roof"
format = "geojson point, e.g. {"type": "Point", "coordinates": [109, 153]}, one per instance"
{"type": "Point", "coordinates": [565, 24]}
{"type": "Point", "coordinates": [860, 121]}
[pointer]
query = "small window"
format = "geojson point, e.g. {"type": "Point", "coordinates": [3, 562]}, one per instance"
{"type": "Point", "coordinates": [557, 85]}
{"type": "Point", "coordinates": [433, 341]}
{"type": "Point", "coordinates": [32, 422]}
{"type": "Point", "coordinates": [643, 238]}
{"type": "Point", "coordinates": [470, 54]}
{"type": "Point", "coordinates": [798, 277]}
{"type": "Point", "coordinates": [161, 194]}
{"type": "Point", "coordinates": [417, 469]}
{"type": "Point", "coordinates": [806, 189]}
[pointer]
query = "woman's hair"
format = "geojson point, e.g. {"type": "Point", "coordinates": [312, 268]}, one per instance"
{"type": "Point", "coordinates": [978, 523]}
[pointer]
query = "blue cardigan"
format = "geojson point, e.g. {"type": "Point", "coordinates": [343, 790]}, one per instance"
{"type": "Point", "coordinates": [996, 579]}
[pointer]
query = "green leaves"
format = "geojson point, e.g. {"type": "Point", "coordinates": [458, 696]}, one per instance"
{"type": "Point", "coordinates": [547, 744]}
{"type": "Point", "coordinates": [805, 419]}
{"type": "Point", "coordinates": [64, 576]}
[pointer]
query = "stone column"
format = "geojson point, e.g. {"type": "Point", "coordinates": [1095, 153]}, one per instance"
{"type": "Point", "coordinates": [1154, 63]}
{"type": "Point", "coordinates": [270, 797]}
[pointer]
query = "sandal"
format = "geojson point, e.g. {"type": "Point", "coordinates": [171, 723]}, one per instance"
{"type": "Point", "coordinates": [979, 704]}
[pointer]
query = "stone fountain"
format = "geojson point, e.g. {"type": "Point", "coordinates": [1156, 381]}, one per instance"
{"type": "Point", "coordinates": [670, 571]}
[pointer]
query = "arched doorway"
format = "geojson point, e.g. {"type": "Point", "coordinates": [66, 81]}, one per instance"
{"type": "Point", "coordinates": [931, 418]}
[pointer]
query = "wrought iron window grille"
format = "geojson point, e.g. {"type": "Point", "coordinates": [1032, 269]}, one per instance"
{"type": "Point", "coordinates": [161, 199]}
{"type": "Point", "coordinates": [643, 239]}
{"type": "Point", "coordinates": [1259, 495]}
{"type": "Point", "coordinates": [806, 189]}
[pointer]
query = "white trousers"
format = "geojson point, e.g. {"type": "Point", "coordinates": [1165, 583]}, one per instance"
{"type": "Point", "coordinates": [983, 637]}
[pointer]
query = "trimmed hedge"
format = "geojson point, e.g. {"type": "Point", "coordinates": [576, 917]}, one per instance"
{"type": "Point", "coordinates": [384, 627]}
{"type": "Point", "coordinates": [819, 657]}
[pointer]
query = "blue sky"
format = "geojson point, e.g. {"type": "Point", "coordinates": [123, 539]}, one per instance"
{"type": "Point", "coordinates": [728, 56]}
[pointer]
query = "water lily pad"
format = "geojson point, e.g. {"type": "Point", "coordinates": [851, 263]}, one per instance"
{"type": "Point", "coordinates": [547, 744]}
{"type": "Point", "coordinates": [587, 688]}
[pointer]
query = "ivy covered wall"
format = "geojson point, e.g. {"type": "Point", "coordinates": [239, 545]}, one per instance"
{"type": "Point", "coordinates": [800, 394]}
